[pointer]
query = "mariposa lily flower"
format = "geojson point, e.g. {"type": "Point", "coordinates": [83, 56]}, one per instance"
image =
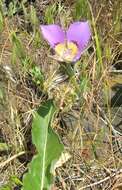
{"type": "Point", "coordinates": [68, 45]}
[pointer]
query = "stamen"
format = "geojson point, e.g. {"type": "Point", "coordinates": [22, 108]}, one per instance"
{"type": "Point", "coordinates": [67, 50]}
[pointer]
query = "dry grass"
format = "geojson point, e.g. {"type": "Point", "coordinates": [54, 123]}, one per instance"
{"type": "Point", "coordinates": [89, 125]}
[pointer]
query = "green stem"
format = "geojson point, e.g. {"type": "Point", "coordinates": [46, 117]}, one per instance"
{"type": "Point", "coordinates": [70, 72]}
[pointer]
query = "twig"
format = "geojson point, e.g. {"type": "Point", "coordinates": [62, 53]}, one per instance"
{"type": "Point", "coordinates": [11, 158]}
{"type": "Point", "coordinates": [116, 71]}
{"type": "Point", "coordinates": [101, 181]}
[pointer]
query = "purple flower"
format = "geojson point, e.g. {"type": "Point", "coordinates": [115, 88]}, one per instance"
{"type": "Point", "coordinates": [68, 45]}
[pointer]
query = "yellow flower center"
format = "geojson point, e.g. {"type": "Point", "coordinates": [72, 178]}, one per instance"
{"type": "Point", "coordinates": [66, 51]}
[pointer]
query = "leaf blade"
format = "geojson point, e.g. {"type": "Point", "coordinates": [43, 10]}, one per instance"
{"type": "Point", "coordinates": [48, 146]}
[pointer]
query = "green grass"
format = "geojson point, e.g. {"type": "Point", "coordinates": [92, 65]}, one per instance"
{"type": "Point", "coordinates": [85, 120]}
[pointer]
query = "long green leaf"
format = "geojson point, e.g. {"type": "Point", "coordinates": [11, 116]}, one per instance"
{"type": "Point", "coordinates": [49, 149]}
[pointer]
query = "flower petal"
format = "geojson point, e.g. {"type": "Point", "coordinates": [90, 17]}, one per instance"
{"type": "Point", "coordinates": [53, 34]}
{"type": "Point", "coordinates": [77, 57]}
{"type": "Point", "coordinates": [79, 32]}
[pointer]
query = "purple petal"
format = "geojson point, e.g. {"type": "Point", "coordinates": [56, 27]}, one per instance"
{"type": "Point", "coordinates": [53, 34]}
{"type": "Point", "coordinates": [77, 57]}
{"type": "Point", "coordinates": [79, 32]}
